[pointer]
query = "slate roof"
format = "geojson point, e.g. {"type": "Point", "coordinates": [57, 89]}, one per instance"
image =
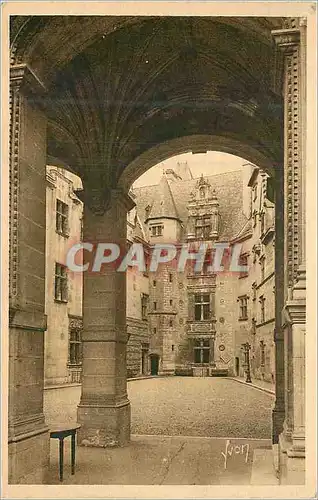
{"type": "Point", "coordinates": [245, 232]}
{"type": "Point", "coordinates": [229, 191]}
{"type": "Point", "coordinates": [163, 203]}
{"type": "Point", "coordinates": [134, 226]}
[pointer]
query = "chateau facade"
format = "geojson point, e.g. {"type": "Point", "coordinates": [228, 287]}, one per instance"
{"type": "Point", "coordinates": [190, 322]}
{"type": "Point", "coordinates": [63, 301]}
{"type": "Point", "coordinates": [237, 85]}
{"type": "Point", "coordinates": [199, 319]}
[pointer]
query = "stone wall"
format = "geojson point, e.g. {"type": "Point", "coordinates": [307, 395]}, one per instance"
{"type": "Point", "coordinates": [227, 313]}
{"type": "Point", "coordinates": [138, 335]}
{"type": "Point", "coordinates": [257, 284]}
{"type": "Point", "coordinates": [164, 316]}
{"type": "Point", "coordinates": [61, 185]}
{"type": "Point", "coordinates": [137, 286]}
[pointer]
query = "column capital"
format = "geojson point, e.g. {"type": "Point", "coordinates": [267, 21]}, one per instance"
{"type": "Point", "coordinates": [99, 200]}
{"type": "Point", "coordinates": [96, 199]}
{"type": "Point", "coordinates": [22, 77]}
{"type": "Point", "coordinates": [294, 312]}
{"type": "Point", "coordinates": [299, 289]}
{"type": "Point", "coordinates": [286, 39]}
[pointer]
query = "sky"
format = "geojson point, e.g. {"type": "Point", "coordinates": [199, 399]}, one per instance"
{"type": "Point", "coordinates": [208, 163]}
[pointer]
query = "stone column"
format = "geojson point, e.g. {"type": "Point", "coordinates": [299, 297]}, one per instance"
{"type": "Point", "coordinates": [28, 433]}
{"type": "Point", "coordinates": [292, 42]}
{"type": "Point", "coordinates": [278, 414]}
{"type": "Point", "coordinates": [295, 318]}
{"type": "Point", "coordinates": [104, 409]}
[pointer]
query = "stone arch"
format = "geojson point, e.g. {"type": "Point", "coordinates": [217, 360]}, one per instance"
{"type": "Point", "coordinates": [193, 143]}
{"type": "Point", "coordinates": [61, 38]}
{"type": "Point", "coordinates": [48, 45]}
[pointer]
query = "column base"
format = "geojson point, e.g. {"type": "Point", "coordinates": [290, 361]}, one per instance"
{"type": "Point", "coordinates": [28, 458]}
{"type": "Point", "coordinates": [298, 447]}
{"type": "Point", "coordinates": [292, 470]}
{"type": "Point", "coordinates": [103, 426]}
{"type": "Point", "coordinates": [291, 467]}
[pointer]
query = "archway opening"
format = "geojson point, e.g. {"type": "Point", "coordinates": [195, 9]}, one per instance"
{"type": "Point", "coordinates": [209, 324]}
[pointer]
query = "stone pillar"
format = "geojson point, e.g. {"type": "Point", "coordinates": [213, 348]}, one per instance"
{"type": "Point", "coordinates": [28, 434]}
{"type": "Point", "coordinates": [104, 409]}
{"type": "Point", "coordinates": [295, 315]}
{"type": "Point", "coordinates": [292, 42]}
{"type": "Point", "coordinates": [278, 414]}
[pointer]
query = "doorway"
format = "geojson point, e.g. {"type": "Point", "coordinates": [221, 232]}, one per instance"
{"type": "Point", "coordinates": [154, 364]}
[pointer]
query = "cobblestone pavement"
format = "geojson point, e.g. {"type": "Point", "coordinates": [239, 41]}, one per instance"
{"type": "Point", "coordinates": [217, 407]}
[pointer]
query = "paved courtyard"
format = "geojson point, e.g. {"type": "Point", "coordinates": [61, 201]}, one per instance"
{"type": "Point", "coordinates": [217, 407]}
{"type": "Point", "coordinates": [182, 406]}
{"type": "Point", "coordinates": [172, 421]}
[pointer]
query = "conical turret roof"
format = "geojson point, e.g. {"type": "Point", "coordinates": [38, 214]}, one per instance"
{"type": "Point", "coordinates": [163, 204]}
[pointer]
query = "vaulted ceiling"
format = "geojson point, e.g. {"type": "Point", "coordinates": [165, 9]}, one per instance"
{"type": "Point", "coordinates": [119, 86]}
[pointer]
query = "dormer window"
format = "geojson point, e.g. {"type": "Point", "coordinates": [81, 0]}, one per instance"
{"type": "Point", "coordinates": [156, 230]}
{"type": "Point", "coordinates": [202, 192]}
{"type": "Point", "coordinates": [203, 227]}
